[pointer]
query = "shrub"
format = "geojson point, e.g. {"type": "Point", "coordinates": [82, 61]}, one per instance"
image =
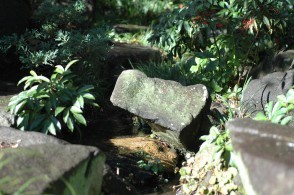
{"type": "Point", "coordinates": [60, 35]}
{"type": "Point", "coordinates": [225, 36]}
{"type": "Point", "coordinates": [46, 105]}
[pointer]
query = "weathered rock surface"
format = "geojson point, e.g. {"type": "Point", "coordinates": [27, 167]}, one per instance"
{"type": "Point", "coordinates": [265, 156]}
{"type": "Point", "coordinates": [156, 149]}
{"type": "Point", "coordinates": [52, 168]}
{"type": "Point", "coordinates": [261, 91]}
{"type": "Point", "coordinates": [27, 138]}
{"type": "Point", "coordinates": [123, 56]}
{"type": "Point", "coordinates": [279, 62]}
{"type": "Point", "coordinates": [122, 28]}
{"type": "Point", "coordinates": [174, 111]}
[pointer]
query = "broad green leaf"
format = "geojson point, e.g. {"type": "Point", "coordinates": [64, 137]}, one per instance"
{"type": "Point", "coordinates": [81, 101]}
{"type": "Point", "coordinates": [57, 124]}
{"type": "Point", "coordinates": [215, 86]}
{"type": "Point", "coordinates": [59, 69]}
{"type": "Point", "coordinates": [58, 110]}
{"type": "Point", "coordinates": [76, 110]}
{"type": "Point", "coordinates": [70, 124]}
{"type": "Point", "coordinates": [65, 115]}
{"type": "Point", "coordinates": [52, 129]}
{"type": "Point", "coordinates": [88, 96]}
{"type": "Point", "coordinates": [267, 22]}
{"type": "Point", "coordinates": [80, 118]}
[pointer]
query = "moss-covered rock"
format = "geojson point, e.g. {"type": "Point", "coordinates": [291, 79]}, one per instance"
{"type": "Point", "coordinates": [173, 110]}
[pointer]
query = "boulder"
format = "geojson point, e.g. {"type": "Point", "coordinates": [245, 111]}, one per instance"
{"type": "Point", "coordinates": [173, 111]}
{"type": "Point", "coordinates": [280, 62]}
{"type": "Point", "coordinates": [261, 91]}
{"type": "Point", "coordinates": [124, 56]}
{"type": "Point", "coordinates": [26, 138]}
{"type": "Point", "coordinates": [123, 28]}
{"type": "Point", "coordinates": [52, 168]}
{"type": "Point", "coordinates": [264, 156]}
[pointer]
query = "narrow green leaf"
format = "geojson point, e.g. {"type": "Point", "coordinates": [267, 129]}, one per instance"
{"type": "Point", "coordinates": [76, 110]}
{"type": "Point", "coordinates": [65, 115]}
{"type": "Point", "coordinates": [266, 21]}
{"type": "Point", "coordinates": [43, 79]}
{"type": "Point", "coordinates": [70, 64]}
{"type": "Point", "coordinates": [23, 79]}
{"type": "Point", "coordinates": [70, 124]}
{"type": "Point", "coordinates": [58, 110]}
{"type": "Point", "coordinates": [33, 73]}
{"type": "Point", "coordinates": [80, 118]}
{"type": "Point", "coordinates": [286, 120]}
{"type": "Point", "coordinates": [88, 96]}
{"type": "Point", "coordinates": [81, 101]}
{"type": "Point", "coordinates": [85, 88]}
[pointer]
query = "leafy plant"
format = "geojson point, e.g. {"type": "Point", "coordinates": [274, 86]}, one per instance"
{"type": "Point", "coordinates": [278, 112]}
{"type": "Point", "coordinates": [224, 36]}
{"type": "Point", "coordinates": [60, 34]}
{"type": "Point", "coordinates": [222, 142]}
{"type": "Point", "coordinates": [154, 165]}
{"type": "Point", "coordinates": [46, 105]}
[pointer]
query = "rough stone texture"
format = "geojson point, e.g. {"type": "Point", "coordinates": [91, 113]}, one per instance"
{"type": "Point", "coordinates": [26, 138]}
{"type": "Point", "coordinates": [265, 156]}
{"type": "Point", "coordinates": [122, 28]}
{"type": "Point", "coordinates": [52, 168]}
{"type": "Point", "coordinates": [261, 91]}
{"type": "Point", "coordinates": [172, 109]}
{"type": "Point", "coordinates": [123, 56]}
{"type": "Point", "coordinates": [156, 149]}
{"type": "Point", "coordinates": [113, 184]}
{"type": "Point", "coordinates": [279, 62]}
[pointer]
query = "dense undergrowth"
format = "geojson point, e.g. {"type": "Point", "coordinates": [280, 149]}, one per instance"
{"type": "Point", "coordinates": [212, 42]}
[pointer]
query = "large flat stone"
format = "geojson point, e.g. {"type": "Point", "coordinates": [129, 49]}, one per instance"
{"type": "Point", "coordinates": [261, 91]}
{"type": "Point", "coordinates": [167, 106]}
{"type": "Point", "coordinates": [26, 138]}
{"type": "Point", "coordinates": [265, 156]}
{"type": "Point", "coordinates": [52, 168]}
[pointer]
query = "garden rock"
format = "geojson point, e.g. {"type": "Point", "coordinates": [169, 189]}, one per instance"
{"type": "Point", "coordinates": [52, 168]}
{"type": "Point", "coordinates": [261, 91]}
{"type": "Point", "coordinates": [123, 28]}
{"type": "Point", "coordinates": [280, 62]}
{"type": "Point", "coordinates": [264, 155]}
{"type": "Point", "coordinates": [26, 138]}
{"type": "Point", "coordinates": [173, 111]}
{"type": "Point", "coordinates": [123, 56]}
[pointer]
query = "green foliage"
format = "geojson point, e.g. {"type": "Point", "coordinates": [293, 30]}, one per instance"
{"type": "Point", "coordinates": [58, 38]}
{"type": "Point", "coordinates": [278, 112]}
{"type": "Point", "coordinates": [222, 142]}
{"type": "Point", "coordinates": [46, 104]}
{"type": "Point", "coordinates": [154, 165]}
{"type": "Point", "coordinates": [135, 11]}
{"type": "Point", "coordinates": [149, 163]}
{"type": "Point", "coordinates": [224, 36]}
